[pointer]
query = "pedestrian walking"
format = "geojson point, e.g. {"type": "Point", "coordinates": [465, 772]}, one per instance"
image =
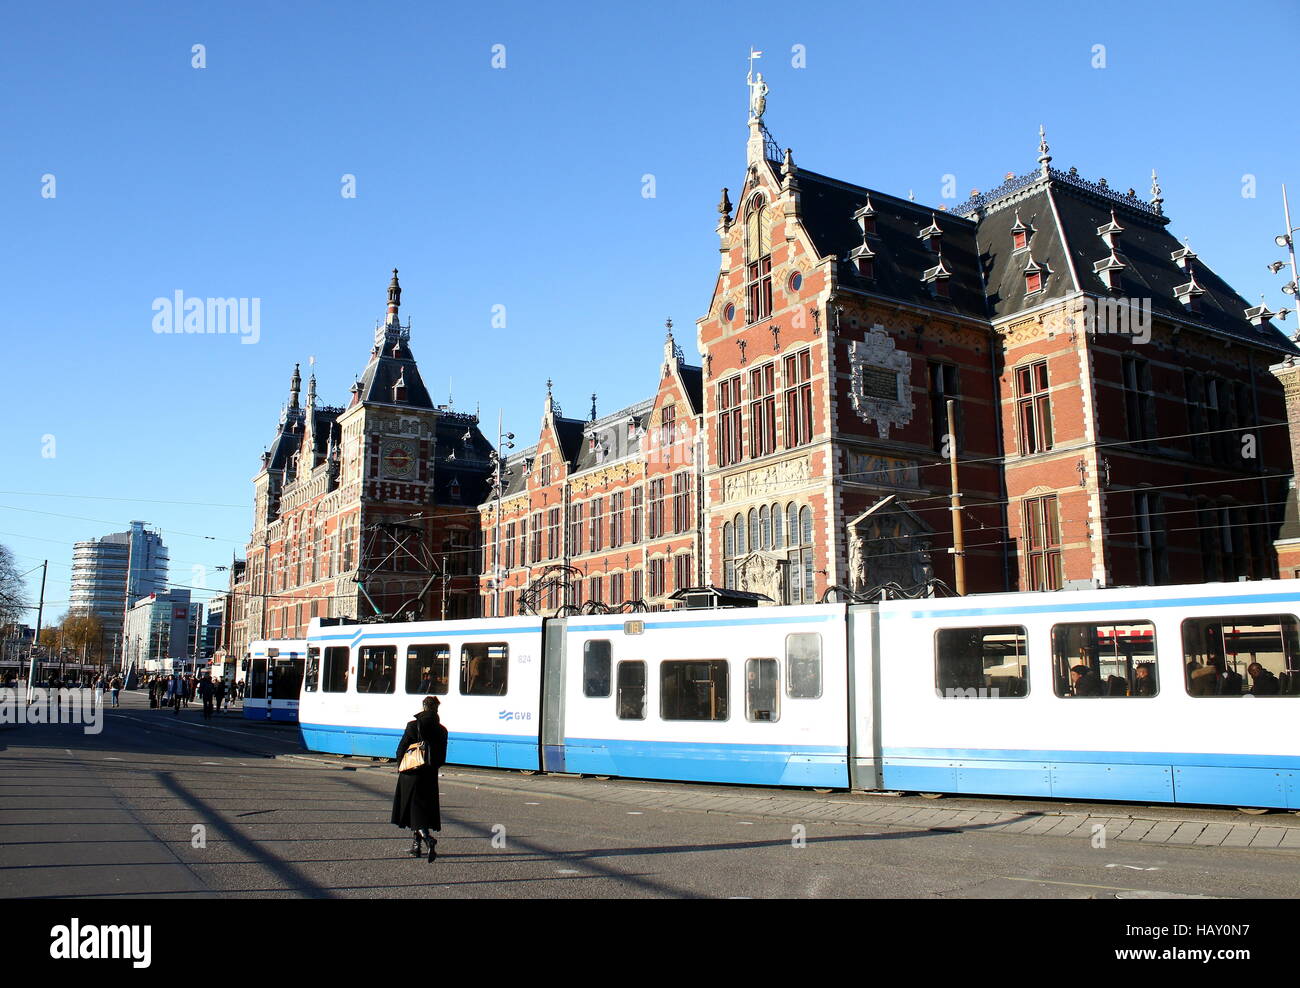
{"type": "Point", "coordinates": [415, 801]}
{"type": "Point", "coordinates": [207, 691]}
{"type": "Point", "coordinates": [100, 686]}
{"type": "Point", "coordinates": [117, 685]}
{"type": "Point", "coordinates": [175, 693]}
{"type": "Point", "coordinates": [220, 694]}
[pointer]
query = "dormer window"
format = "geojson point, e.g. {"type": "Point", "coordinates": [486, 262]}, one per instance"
{"type": "Point", "coordinates": [1019, 234]}
{"type": "Point", "coordinates": [866, 219]}
{"type": "Point", "coordinates": [1108, 270]}
{"type": "Point", "coordinates": [1190, 295]}
{"type": "Point", "coordinates": [1035, 276]}
{"type": "Point", "coordinates": [1110, 232]}
{"type": "Point", "coordinates": [1259, 314]}
{"type": "Point", "coordinates": [863, 258]}
{"type": "Point", "coordinates": [399, 387]}
{"type": "Point", "coordinates": [937, 279]}
{"type": "Point", "coordinates": [932, 236]}
{"type": "Point", "coordinates": [1184, 258]}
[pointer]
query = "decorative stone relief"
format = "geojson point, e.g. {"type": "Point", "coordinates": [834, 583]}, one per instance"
{"type": "Point", "coordinates": [762, 572]}
{"type": "Point", "coordinates": [767, 480]}
{"type": "Point", "coordinates": [870, 362]}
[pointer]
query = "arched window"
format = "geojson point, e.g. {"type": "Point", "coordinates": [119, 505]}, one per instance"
{"type": "Point", "coordinates": [758, 260]}
{"type": "Point", "coordinates": [799, 583]}
{"type": "Point", "coordinates": [740, 535]}
{"type": "Point", "coordinates": [755, 539]}
{"type": "Point", "coordinates": [728, 554]}
{"type": "Point", "coordinates": [758, 229]}
{"type": "Point", "coordinates": [765, 526]}
{"type": "Point", "coordinates": [777, 514]}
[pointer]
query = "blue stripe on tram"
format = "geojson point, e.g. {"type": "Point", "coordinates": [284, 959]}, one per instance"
{"type": "Point", "coordinates": [1167, 777]}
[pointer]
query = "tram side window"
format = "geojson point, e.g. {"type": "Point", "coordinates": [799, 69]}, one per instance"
{"type": "Point", "coordinates": [257, 679]}
{"type": "Point", "coordinates": [427, 669]}
{"type": "Point", "coordinates": [762, 690]}
{"type": "Point", "coordinates": [1258, 655]}
{"type": "Point", "coordinates": [1104, 659]}
{"type": "Point", "coordinates": [694, 689]}
{"type": "Point", "coordinates": [311, 680]}
{"type": "Point", "coordinates": [983, 663]}
{"type": "Point", "coordinates": [803, 666]}
{"type": "Point", "coordinates": [596, 657]}
{"type": "Point", "coordinates": [377, 669]}
{"type": "Point", "coordinates": [336, 670]}
{"type": "Point", "coordinates": [483, 669]}
{"type": "Point", "coordinates": [631, 691]}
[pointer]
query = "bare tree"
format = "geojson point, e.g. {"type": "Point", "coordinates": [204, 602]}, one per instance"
{"type": "Point", "coordinates": [14, 603]}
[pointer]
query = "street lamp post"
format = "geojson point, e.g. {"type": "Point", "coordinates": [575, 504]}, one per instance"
{"type": "Point", "coordinates": [504, 442]}
{"type": "Point", "coordinates": [1287, 240]}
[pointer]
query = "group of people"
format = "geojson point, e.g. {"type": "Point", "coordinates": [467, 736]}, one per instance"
{"type": "Point", "coordinates": [104, 684]}
{"type": "Point", "coordinates": [177, 690]}
{"type": "Point", "coordinates": [1210, 679]}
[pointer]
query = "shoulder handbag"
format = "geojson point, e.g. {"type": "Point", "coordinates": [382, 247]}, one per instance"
{"type": "Point", "coordinates": [416, 756]}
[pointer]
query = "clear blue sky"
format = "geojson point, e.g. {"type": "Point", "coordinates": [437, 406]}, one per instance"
{"type": "Point", "coordinates": [518, 187]}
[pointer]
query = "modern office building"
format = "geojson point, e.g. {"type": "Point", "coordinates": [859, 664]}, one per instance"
{"type": "Point", "coordinates": [159, 629]}
{"type": "Point", "coordinates": [100, 567]}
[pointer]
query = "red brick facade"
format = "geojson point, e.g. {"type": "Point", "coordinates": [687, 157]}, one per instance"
{"type": "Point", "coordinates": [840, 325]}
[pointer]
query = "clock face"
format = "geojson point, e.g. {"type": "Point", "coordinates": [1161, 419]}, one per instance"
{"type": "Point", "coordinates": [399, 460]}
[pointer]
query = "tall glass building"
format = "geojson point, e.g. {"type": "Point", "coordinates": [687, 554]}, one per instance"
{"type": "Point", "coordinates": [100, 584]}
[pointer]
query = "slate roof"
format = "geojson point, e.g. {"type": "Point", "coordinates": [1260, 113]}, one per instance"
{"type": "Point", "coordinates": [827, 206]}
{"type": "Point", "coordinates": [1065, 212]}
{"type": "Point", "coordinates": [383, 371]}
{"type": "Point", "coordinates": [693, 380]}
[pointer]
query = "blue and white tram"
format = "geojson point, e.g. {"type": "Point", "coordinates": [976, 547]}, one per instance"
{"type": "Point", "coordinates": [977, 695]}
{"type": "Point", "coordinates": [753, 696]}
{"type": "Point", "coordinates": [363, 682]}
{"type": "Point", "coordinates": [274, 679]}
{"type": "Point", "coordinates": [1158, 694]}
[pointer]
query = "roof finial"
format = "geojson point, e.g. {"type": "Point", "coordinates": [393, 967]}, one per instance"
{"type": "Point", "coordinates": [295, 385]}
{"type": "Point", "coordinates": [593, 406]}
{"type": "Point", "coordinates": [1044, 157]}
{"type": "Point", "coordinates": [548, 387]}
{"type": "Point", "coordinates": [1157, 201]}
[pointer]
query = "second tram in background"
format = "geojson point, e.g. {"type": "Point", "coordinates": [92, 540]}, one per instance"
{"type": "Point", "coordinates": [273, 679]}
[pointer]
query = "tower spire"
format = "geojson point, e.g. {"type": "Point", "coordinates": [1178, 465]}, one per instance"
{"type": "Point", "coordinates": [295, 386]}
{"type": "Point", "coordinates": [391, 332]}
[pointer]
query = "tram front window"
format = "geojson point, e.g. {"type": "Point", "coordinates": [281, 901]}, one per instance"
{"type": "Point", "coordinates": [286, 679]}
{"type": "Point", "coordinates": [257, 679]}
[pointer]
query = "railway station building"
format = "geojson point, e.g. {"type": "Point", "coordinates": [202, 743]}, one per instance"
{"type": "Point", "coordinates": [1115, 420]}
{"type": "Point", "coordinates": [364, 508]}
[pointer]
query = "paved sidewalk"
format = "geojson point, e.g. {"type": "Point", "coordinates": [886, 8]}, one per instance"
{"type": "Point", "coordinates": [1174, 825]}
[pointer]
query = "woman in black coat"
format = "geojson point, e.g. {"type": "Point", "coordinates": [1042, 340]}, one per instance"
{"type": "Point", "coordinates": [415, 803]}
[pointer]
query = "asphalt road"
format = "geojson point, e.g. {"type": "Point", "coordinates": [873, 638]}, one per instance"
{"type": "Point", "coordinates": [158, 805]}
